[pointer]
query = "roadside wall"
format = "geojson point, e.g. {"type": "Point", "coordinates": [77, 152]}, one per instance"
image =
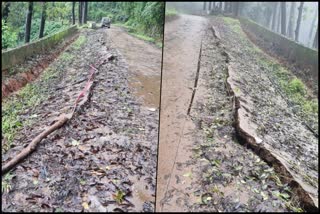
{"type": "Point", "coordinates": [17, 55]}
{"type": "Point", "coordinates": [297, 54]}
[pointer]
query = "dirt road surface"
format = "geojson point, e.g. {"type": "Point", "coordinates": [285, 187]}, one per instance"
{"type": "Point", "coordinates": [144, 61]}
{"type": "Point", "coordinates": [182, 42]}
{"type": "Point", "coordinates": [104, 159]}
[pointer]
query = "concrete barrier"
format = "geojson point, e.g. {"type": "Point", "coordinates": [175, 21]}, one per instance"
{"type": "Point", "coordinates": [17, 55]}
{"type": "Point", "coordinates": [295, 53]}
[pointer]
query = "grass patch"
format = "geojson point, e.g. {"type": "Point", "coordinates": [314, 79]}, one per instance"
{"type": "Point", "coordinates": [79, 42]}
{"type": "Point", "coordinates": [30, 96]}
{"type": "Point", "coordinates": [293, 87]}
{"type": "Point", "coordinates": [234, 25]}
{"type": "Point", "coordinates": [137, 33]}
{"type": "Point", "coordinates": [171, 12]}
{"type": "Point", "coordinates": [27, 97]}
{"type": "Point", "coordinates": [66, 56]}
{"type": "Point", "coordinates": [6, 183]}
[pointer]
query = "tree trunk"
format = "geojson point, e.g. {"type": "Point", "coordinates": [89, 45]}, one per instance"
{"type": "Point", "coordinates": [312, 27]}
{"type": "Point", "coordinates": [235, 8]}
{"type": "Point", "coordinates": [278, 19]}
{"type": "Point", "coordinates": [43, 19]}
{"type": "Point", "coordinates": [73, 14]}
{"type": "Point", "coordinates": [86, 12]}
{"type": "Point", "coordinates": [80, 13]}
{"type": "Point", "coordinates": [283, 18]}
{"type": "Point", "coordinates": [5, 11]}
{"type": "Point", "coordinates": [83, 12]}
{"type": "Point", "coordinates": [28, 23]}
{"type": "Point", "coordinates": [298, 22]}
{"type": "Point", "coordinates": [204, 6]}
{"type": "Point", "coordinates": [220, 6]}
{"type": "Point", "coordinates": [315, 41]}
{"type": "Point", "coordinates": [274, 16]}
{"type": "Point", "coordinates": [209, 6]}
{"type": "Point", "coordinates": [225, 6]}
{"type": "Point", "coordinates": [291, 19]}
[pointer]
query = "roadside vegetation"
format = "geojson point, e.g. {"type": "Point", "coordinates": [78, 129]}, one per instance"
{"type": "Point", "coordinates": [142, 19]}
{"type": "Point", "coordinates": [296, 92]}
{"type": "Point", "coordinates": [170, 12]}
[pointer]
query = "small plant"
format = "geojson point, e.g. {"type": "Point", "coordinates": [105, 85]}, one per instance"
{"type": "Point", "coordinates": [296, 86]}
{"type": "Point", "coordinates": [119, 196]}
{"type": "Point", "coordinates": [79, 42]}
{"type": "Point", "coordinates": [6, 186]}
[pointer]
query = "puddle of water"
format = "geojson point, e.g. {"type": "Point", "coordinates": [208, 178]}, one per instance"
{"type": "Point", "coordinates": [140, 194]}
{"type": "Point", "coordinates": [147, 87]}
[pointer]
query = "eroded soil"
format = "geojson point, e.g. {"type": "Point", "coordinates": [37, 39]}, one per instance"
{"type": "Point", "coordinates": [203, 165]}
{"type": "Point", "coordinates": [104, 159]}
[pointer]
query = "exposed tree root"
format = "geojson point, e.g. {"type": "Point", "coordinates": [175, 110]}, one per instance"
{"type": "Point", "coordinates": [85, 94]}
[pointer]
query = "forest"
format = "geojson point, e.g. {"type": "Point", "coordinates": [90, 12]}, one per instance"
{"type": "Point", "coordinates": [23, 22]}
{"type": "Point", "coordinates": [295, 20]}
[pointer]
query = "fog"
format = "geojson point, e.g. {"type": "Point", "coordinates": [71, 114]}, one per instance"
{"type": "Point", "coordinates": [261, 13]}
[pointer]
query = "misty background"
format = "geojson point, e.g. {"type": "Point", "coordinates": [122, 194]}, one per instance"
{"type": "Point", "coordinates": [262, 13]}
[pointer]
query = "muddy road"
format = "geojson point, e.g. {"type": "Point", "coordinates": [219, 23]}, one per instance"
{"type": "Point", "coordinates": [203, 164]}
{"type": "Point", "coordinates": [144, 61]}
{"type": "Point", "coordinates": [104, 159]}
{"type": "Point", "coordinates": [182, 42]}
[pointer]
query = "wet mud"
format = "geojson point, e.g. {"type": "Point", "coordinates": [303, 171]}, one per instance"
{"type": "Point", "coordinates": [144, 64]}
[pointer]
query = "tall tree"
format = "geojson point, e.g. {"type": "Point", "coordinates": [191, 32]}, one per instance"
{"type": "Point", "coordinates": [297, 31]}
{"type": "Point", "coordinates": [225, 6]}
{"type": "Point", "coordinates": [235, 8]}
{"type": "Point", "coordinates": [274, 16]}
{"type": "Point", "coordinates": [83, 12]}
{"type": "Point", "coordinates": [220, 6]}
{"type": "Point", "coordinates": [278, 19]}
{"type": "Point", "coordinates": [291, 19]}
{"type": "Point", "coordinates": [86, 12]}
{"type": "Point", "coordinates": [312, 27]}
{"type": "Point", "coordinates": [80, 12]}
{"type": "Point", "coordinates": [73, 13]}
{"type": "Point", "coordinates": [43, 19]}
{"type": "Point", "coordinates": [5, 11]}
{"type": "Point", "coordinates": [209, 7]}
{"type": "Point", "coordinates": [283, 18]}
{"type": "Point", "coordinates": [28, 23]}
{"type": "Point", "coordinates": [204, 5]}
{"type": "Point", "coordinates": [315, 41]}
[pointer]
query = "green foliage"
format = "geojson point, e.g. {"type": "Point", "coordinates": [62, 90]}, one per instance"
{"type": "Point", "coordinates": [296, 86]}
{"type": "Point", "coordinates": [9, 37]}
{"type": "Point", "coordinates": [171, 12]}
{"type": "Point", "coordinates": [5, 183]}
{"type": "Point", "coordinates": [145, 18]}
{"type": "Point", "coordinates": [79, 42]}
{"type": "Point", "coordinates": [11, 121]}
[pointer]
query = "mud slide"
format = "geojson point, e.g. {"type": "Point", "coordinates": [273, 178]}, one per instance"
{"type": "Point", "coordinates": [104, 159]}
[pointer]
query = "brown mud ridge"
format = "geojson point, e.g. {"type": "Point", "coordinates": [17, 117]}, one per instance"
{"type": "Point", "coordinates": [102, 160]}
{"type": "Point", "coordinates": [246, 130]}
{"type": "Point", "coordinates": [31, 69]}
